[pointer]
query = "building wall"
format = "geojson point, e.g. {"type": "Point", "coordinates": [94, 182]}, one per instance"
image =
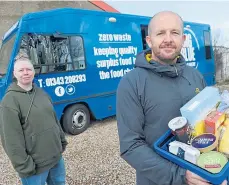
{"type": "Point", "coordinates": [11, 11]}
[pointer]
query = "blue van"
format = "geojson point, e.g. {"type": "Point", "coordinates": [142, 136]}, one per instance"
{"type": "Point", "coordinates": [80, 56]}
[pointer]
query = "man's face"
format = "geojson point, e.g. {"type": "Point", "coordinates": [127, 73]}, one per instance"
{"type": "Point", "coordinates": [24, 72]}
{"type": "Point", "coordinates": [166, 38]}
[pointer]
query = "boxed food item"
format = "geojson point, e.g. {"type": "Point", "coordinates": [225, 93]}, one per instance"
{"type": "Point", "coordinates": [184, 151]}
{"type": "Point", "coordinates": [200, 106]}
{"type": "Point", "coordinates": [213, 121]}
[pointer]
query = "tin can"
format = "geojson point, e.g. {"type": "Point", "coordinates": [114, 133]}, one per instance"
{"type": "Point", "coordinates": [205, 142]}
{"type": "Point", "coordinates": [179, 127]}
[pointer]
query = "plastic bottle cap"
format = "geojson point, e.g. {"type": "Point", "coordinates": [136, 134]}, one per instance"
{"type": "Point", "coordinates": [177, 123]}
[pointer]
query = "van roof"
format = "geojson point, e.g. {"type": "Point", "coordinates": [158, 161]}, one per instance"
{"type": "Point", "coordinates": [58, 11]}
{"type": "Point", "coordinates": [53, 12]}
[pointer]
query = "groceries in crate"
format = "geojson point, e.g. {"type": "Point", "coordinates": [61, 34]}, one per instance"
{"type": "Point", "coordinates": [202, 132]}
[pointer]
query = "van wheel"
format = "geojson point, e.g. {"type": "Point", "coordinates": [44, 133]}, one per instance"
{"type": "Point", "coordinates": [76, 119]}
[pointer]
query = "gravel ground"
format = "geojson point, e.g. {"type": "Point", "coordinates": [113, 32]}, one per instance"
{"type": "Point", "coordinates": [91, 158]}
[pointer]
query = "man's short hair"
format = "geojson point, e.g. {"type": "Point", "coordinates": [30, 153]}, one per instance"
{"type": "Point", "coordinates": [151, 20]}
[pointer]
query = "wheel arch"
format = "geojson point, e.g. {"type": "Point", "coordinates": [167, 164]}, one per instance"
{"type": "Point", "coordinates": [83, 103]}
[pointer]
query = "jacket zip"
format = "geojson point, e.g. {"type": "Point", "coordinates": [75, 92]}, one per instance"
{"type": "Point", "coordinates": [176, 70]}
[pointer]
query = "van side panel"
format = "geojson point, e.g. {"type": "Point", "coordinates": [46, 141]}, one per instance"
{"type": "Point", "coordinates": [110, 43]}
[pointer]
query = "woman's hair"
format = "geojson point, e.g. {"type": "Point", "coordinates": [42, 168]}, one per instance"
{"type": "Point", "coordinates": [21, 56]}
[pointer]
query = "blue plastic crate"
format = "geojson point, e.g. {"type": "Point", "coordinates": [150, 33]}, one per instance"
{"type": "Point", "coordinates": [161, 147]}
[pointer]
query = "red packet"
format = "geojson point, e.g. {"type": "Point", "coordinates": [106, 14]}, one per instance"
{"type": "Point", "coordinates": [213, 121]}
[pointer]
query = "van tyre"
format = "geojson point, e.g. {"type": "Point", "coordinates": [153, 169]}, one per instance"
{"type": "Point", "coordinates": [76, 119]}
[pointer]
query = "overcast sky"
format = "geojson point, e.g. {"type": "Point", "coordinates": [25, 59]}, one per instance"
{"type": "Point", "coordinates": [215, 13]}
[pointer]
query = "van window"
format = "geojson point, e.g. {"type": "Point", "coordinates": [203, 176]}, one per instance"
{"type": "Point", "coordinates": [207, 44]}
{"type": "Point", "coordinates": [144, 31]}
{"type": "Point", "coordinates": [5, 54]}
{"type": "Point", "coordinates": [54, 53]}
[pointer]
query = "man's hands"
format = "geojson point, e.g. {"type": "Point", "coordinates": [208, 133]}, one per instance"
{"type": "Point", "coordinates": [193, 179]}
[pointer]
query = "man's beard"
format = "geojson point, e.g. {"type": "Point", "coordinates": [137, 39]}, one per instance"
{"type": "Point", "coordinates": [169, 60]}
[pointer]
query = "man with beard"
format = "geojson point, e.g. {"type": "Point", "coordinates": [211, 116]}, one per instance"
{"type": "Point", "coordinates": [150, 96]}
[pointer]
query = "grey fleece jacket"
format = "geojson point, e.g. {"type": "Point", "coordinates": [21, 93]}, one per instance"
{"type": "Point", "coordinates": [148, 97]}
